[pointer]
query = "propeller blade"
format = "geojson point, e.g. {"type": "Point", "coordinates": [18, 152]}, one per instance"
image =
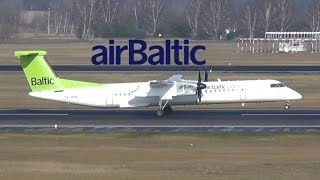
{"type": "Point", "coordinates": [199, 77]}
{"type": "Point", "coordinates": [206, 77]}
{"type": "Point", "coordinates": [200, 86]}
{"type": "Point", "coordinates": [200, 96]}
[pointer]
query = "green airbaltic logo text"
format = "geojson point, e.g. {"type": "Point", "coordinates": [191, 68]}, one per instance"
{"type": "Point", "coordinates": [42, 81]}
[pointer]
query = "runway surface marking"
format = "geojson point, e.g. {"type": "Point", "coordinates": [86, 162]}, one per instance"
{"type": "Point", "coordinates": [280, 114]}
{"type": "Point", "coordinates": [28, 114]}
{"type": "Point", "coordinates": [156, 126]}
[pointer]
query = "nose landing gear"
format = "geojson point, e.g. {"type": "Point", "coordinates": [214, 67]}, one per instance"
{"type": "Point", "coordinates": [287, 106]}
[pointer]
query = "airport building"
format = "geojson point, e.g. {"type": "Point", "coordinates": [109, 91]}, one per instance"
{"type": "Point", "coordinates": [281, 42]}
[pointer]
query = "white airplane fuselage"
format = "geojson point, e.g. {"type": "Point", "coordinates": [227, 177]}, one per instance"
{"type": "Point", "coordinates": [125, 95]}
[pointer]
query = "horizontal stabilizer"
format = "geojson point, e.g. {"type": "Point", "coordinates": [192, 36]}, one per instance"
{"type": "Point", "coordinates": [30, 53]}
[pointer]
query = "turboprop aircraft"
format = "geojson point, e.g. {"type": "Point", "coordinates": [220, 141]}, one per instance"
{"type": "Point", "coordinates": [45, 84]}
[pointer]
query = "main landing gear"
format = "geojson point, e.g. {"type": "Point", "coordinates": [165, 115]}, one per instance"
{"type": "Point", "coordinates": [165, 109]}
{"type": "Point", "coordinates": [287, 106]}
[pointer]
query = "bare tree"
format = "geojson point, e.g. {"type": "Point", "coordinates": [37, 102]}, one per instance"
{"type": "Point", "coordinates": [193, 15]}
{"type": "Point", "coordinates": [216, 16]}
{"type": "Point", "coordinates": [49, 21]}
{"type": "Point", "coordinates": [250, 17]}
{"type": "Point", "coordinates": [109, 9]}
{"type": "Point", "coordinates": [136, 5]}
{"type": "Point", "coordinates": [284, 13]}
{"type": "Point", "coordinates": [57, 17]}
{"type": "Point", "coordinates": [87, 10]}
{"type": "Point", "coordinates": [154, 12]}
{"type": "Point", "coordinates": [9, 18]}
{"type": "Point", "coordinates": [267, 14]}
{"type": "Point", "coordinates": [60, 20]}
{"type": "Point", "coordinates": [314, 15]}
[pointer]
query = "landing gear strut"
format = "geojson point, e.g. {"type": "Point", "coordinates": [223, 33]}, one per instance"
{"type": "Point", "coordinates": [165, 109]}
{"type": "Point", "coordinates": [287, 106]}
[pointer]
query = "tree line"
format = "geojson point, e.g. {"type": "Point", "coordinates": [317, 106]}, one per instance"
{"type": "Point", "coordinates": [199, 19]}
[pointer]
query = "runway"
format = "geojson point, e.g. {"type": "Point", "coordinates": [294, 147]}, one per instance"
{"type": "Point", "coordinates": [144, 120]}
{"type": "Point", "coordinates": [123, 68]}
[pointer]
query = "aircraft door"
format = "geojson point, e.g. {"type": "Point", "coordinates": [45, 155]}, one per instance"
{"type": "Point", "coordinates": [243, 95]}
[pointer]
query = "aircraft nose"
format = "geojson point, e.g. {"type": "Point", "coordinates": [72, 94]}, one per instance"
{"type": "Point", "coordinates": [294, 95]}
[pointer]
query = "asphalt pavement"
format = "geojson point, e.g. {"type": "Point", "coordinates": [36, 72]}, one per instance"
{"type": "Point", "coordinates": [124, 68]}
{"type": "Point", "coordinates": [185, 120]}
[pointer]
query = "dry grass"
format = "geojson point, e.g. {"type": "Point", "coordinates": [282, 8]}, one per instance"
{"type": "Point", "coordinates": [217, 53]}
{"type": "Point", "coordinates": [14, 88]}
{"type": "Point", "coordinates": [159, 156]}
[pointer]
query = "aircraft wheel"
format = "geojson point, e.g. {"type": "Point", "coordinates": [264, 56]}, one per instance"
{"type": "Point", "coordinates": [159, 113]}
{"type": "Point", "coordinates": [287, 107]}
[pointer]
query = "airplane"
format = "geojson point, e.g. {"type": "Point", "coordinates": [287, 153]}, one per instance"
{"type": "Point", "coordinates": [45, 84]}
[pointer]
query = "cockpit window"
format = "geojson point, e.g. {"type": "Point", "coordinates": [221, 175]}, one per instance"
{"type": "Point", "coordinates": [277, 85]}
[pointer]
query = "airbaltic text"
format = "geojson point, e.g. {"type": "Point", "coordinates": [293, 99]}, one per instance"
{"type": "Point", "coordinates": [139, 53]}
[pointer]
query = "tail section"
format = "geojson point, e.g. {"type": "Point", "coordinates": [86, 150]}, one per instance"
{"type": "Point", "coordinates": [39, 74]}
{"type": "Point", "coordinates": [41, 77]}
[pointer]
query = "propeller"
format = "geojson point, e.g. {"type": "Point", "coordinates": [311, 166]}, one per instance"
{"type": "Point", "coordinates": [206, 77]}
{"type": "Point", "coordinates": [200, 86]}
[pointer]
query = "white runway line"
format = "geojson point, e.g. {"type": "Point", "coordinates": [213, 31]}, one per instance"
{"type": "Point", "coordinates": [280, 114]}
{"type": "Point", "coordinates": [155, 126]}
{"type": "Point", "coordinates": [34, 114]}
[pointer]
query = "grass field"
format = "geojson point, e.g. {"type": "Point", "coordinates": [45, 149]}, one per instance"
{"type": "Point", "coordinates": [159, 156]}
{"type": "Point", "coordinates": [14, 88]}
{"type": "Point", "coordinates": [217, 53]}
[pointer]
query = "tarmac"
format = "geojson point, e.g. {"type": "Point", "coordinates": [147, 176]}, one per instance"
{"type": "Point", "coordinates": [144, 120]}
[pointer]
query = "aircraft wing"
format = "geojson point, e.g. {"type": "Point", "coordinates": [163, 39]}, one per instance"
{"type": "Point", "coordinates": [175, 78]}
{"type": "Point", "coordinates": [160, 84]}
{"type": "Point", "coordinates": [172, 87]}
{"type": "Point", "coordinates": [166, 83]}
